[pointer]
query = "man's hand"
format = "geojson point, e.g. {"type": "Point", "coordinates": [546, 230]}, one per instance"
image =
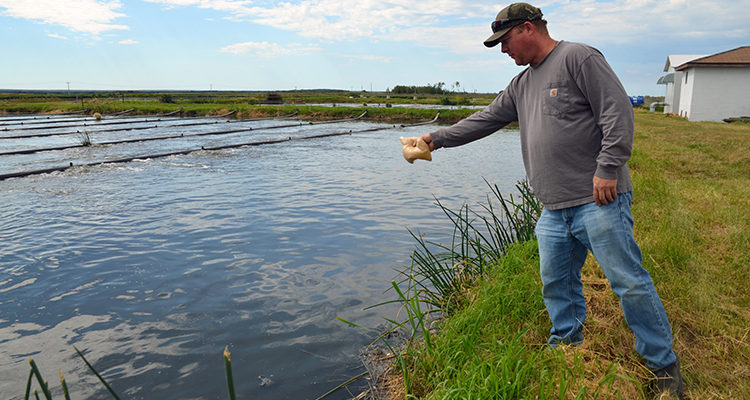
{"type": "Point", "coordinates": [605, 190]}
{"type": "Point", "coordinates": [427, 139]}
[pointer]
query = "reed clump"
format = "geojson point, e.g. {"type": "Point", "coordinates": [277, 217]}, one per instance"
{"type": "Point", "coordinates": [84, 138]}
{"type": "Point", "coordinates": [440, 274]}
{"type": "Point", "coordinates": [36, 382]}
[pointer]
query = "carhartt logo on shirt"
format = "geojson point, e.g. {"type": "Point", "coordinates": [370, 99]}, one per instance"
{"type": "Point", "coordinates": [553, 92]}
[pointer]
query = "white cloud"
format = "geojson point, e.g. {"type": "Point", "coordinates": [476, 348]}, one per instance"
{"type": "Point", "coordinates": [369, 58]}
{"type": "Point", "coordinates": [457, 39]}
{"type": "Point", "coordinates": [86, 16]}
{"type": "Point", "coordinates": [337, 20]}
{"type": "Point", "coordinates": [128, 41]}
{"type": "Point", "coordinates": [636, 21]}
{"type": "Point", "coordinates": [459, 26]}
{"type": "Point", "coordinates": [488, 64]}
{"type": "Point", "coordinates": [236, 8]}
{"type": "Point", "coordinates": [266, 50]}
{"type": "Point", "coordinates": [56, 36]}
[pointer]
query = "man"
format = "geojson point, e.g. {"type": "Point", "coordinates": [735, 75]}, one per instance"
{"type": "Point", "coordinates": [576, 125]}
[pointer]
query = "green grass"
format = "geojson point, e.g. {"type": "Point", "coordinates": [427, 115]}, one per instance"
{"type": "Point", "coordinates": [693, 201]}
{"type": "Point", "coordinates": [494, 347]}
{"type": "Point", "coordinates": [692, 213]}
{"type": "Point", "coordinates": [243, 110]}
{"type": "Point", "coordinates": [255, 97]}
{"type": "Point", "coordinates": [247, 104]}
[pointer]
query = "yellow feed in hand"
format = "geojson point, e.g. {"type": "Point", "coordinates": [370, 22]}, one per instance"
{"type": "Point", "coordinates": [411, 153]}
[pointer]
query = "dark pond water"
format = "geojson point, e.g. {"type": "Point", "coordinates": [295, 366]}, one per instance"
{"type": "Point", "coordinates": [152, 267]}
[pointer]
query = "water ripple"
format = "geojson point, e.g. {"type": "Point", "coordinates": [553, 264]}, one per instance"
{"type": "Point", "coordinates": [152, 267]}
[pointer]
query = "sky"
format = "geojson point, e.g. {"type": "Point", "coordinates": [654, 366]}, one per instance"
{"type": "Point", "coordinates": [335, 44]}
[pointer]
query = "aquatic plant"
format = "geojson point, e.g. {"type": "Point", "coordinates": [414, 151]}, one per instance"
{"type": "Point", "coordinates": [44, 385]}
{"type": "Point", "coordinates": [439, 276]}
{"type": "Point", "coordinates": [228, 368]}
{"type": "Point", "coordinates": [84, 138]}
{"type": "Point", "coordinates": [440, 273]}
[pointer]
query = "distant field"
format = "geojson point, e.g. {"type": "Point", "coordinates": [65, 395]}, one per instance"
{"type": "Point", "coordinates": [381, 106]}
{"type": "Point", "coordinates": [246, 104]}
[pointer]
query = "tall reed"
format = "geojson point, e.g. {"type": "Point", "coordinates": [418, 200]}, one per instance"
{"type": "Point", "coordinates": [84, 139]}
{"type": "Point", "coordinates": [437, 280]}
{"type": "Point", "coordinates": [439, 274]}
{"type": "Point", "coordinates": [34, 373]}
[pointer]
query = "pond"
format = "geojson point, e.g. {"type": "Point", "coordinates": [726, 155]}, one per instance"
{"type": "Point", "coordinates": [152, 267]}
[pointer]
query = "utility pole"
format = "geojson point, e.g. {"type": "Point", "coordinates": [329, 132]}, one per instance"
{"type": "Point", "coordinates": [68, 87]}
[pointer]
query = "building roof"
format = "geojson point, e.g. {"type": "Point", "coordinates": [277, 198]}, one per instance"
{"type": "Point", "coordinates": [668, 78]}
{"type": "Point", "coordinates": [739, 57]}
{"type": "Point", "coordinates": [675, 60]}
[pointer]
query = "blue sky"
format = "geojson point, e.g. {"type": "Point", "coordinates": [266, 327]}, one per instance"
{"type": "Point", "coordinates": [336, 44]}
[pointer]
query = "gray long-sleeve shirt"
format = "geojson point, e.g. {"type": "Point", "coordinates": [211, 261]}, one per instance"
{"type": "Point", "coordinates": [576, 121]}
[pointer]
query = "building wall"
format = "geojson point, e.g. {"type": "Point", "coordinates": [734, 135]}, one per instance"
{"type": "Point", "coordinates": [669, 98]}
{"type": "Point", "coordinates": [678, 83]}
{"type": "Point", "coordinates": [686, 98]}
{"type": "Point", "coordinates": [712, 94]}
{"type": "Point", "coordinates": [672, 96]}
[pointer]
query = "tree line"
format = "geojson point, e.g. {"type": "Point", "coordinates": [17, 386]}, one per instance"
{"type": "Point", "coordinates": [438, 88]}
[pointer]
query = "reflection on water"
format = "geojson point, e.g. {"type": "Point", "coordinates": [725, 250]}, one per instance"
{"type": "Point", "coordinates": [152, 267]}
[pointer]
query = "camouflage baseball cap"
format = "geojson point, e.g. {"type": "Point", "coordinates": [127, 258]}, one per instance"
{"type": "Point", "coordinates": [513, 15]}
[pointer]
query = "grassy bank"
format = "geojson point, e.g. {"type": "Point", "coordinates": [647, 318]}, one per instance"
{"type": "Point", "coordinates": [246, 105]}
{"type": "Point", "coordinates": [692, 212]}
{"type": "Point", "coordinates": [394, 114]}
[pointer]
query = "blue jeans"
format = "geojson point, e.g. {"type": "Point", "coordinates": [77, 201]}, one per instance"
{"type": "Point", "coordinates": [565, 237]}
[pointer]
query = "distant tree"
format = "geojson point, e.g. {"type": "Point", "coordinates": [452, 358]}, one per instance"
{"type": "Point", "coordinates": [428, 89]}
{"type": "Point", "coordinates": [446, 101]}
{"type": "Point", "coordinates": [166, 98]}
{"type": "Point", "coordinates": [401, 89]}
{"type": "Point", "coordinates": [274, 98]}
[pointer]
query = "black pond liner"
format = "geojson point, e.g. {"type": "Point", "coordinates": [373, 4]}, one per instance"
{"type": "Point", "coordinates": [222, 147]}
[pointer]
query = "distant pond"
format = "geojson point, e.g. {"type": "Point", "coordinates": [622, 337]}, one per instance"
{"type": "Point", "coordinates": [152, 267]}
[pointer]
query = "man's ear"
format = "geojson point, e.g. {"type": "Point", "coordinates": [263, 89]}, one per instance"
{"type": "Point", "coordinates": [528, 27]}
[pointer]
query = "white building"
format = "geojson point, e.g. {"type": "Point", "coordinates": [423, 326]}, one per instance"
{"type": "Point", "coordinates": [673, 80]}
{"type": "Point", "coordinates": [714, 87]}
